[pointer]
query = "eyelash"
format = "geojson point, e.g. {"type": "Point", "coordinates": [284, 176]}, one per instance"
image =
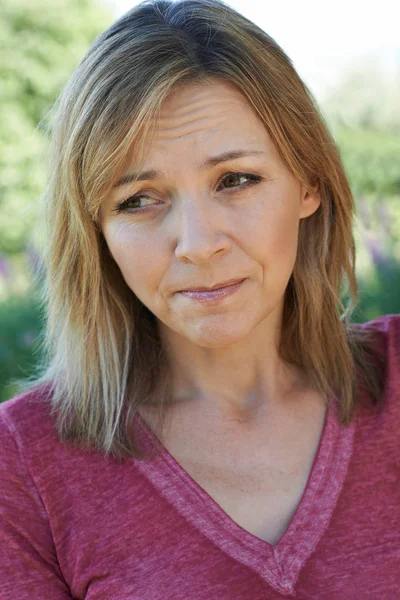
{"type": "Point", "coordinates": [252, 180]}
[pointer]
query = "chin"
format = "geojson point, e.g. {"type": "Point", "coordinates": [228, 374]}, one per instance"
{"type": "Point", "coordinates": [216, 334]}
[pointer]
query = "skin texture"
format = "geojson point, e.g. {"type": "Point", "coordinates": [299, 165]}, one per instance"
{"type": "Point", "coordinates": [199, 231]}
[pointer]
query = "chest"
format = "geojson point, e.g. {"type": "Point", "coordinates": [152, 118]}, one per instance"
{"type": "Point", "coordinates": [260, 497]}
{"type": "Point", "coordinates": [257, 476]}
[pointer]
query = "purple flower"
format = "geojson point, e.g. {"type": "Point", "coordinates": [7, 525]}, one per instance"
{"type": "Point", "coordinates": [378, 255]}
{"type": "Point", "coordinates": [4, 267]}
{"type": "Point", "coordinates": [27, 338]}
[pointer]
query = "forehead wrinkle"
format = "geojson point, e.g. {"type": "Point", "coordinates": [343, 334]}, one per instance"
{"type": "Point", "coordinates": [220, 106]}
{"type": "Point", "coordinates": [219, 121]}
{"type": "Point", "coordinates": [198, 104]}
{"type": "Point", "coordinates": [187, 128]}
{"type": "Point", "coordinates": [214, 110]}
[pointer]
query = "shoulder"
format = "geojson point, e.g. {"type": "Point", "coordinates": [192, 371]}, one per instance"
{"type": "Point", "coordinates": [28, 430]}
{"type": "Point", "coordinates": [385, 339]}
{"type": "Point", "coordinates": [28, 414]}
{"type": "Point", "coordinates": [385, 324]}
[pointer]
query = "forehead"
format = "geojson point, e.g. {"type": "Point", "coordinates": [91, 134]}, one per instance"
{"type": "Point", "coordinates": [206, 113]}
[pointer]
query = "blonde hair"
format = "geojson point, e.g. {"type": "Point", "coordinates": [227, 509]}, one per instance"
{"type": "Point", "coordinates": [103, 356]}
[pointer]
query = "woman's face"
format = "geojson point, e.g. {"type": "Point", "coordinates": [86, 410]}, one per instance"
{"type": "Point", "coordinates": [216, 203]}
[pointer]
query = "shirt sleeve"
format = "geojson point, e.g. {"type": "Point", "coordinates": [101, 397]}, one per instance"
{"type": "Point", "coordinates": [28, 562]}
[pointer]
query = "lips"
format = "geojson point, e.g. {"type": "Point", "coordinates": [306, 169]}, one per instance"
{"type": "Point", "coordinates": [216, 286]}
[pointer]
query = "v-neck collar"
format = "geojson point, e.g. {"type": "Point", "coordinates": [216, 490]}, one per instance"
{"type": "Point", "coordinates": [277, 564]}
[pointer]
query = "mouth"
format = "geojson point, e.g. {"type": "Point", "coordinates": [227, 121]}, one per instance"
{"type": "Point", "coordinates": [216, 286]}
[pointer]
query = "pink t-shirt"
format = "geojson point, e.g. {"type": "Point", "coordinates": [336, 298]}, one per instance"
{"type": "Point", "coordinates": [75, 524]}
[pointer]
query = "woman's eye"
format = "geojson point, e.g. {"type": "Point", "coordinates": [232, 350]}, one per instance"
{"type": "Point", "coordinates": [233, 180]}
{"type": "Point", "coordinates": [135, 204]}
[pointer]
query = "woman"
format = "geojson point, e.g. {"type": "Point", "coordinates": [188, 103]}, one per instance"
{"type": "Point", "coordinates": [208, 423]}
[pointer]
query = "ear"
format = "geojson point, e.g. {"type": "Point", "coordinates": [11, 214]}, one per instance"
{"type": "Point", "coordinates": [309, 201]}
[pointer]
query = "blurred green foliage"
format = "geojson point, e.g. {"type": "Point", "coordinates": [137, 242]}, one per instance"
{"type": "Point", "coordinates": [371, 159]}
{"type": "Point", "coordinates": [41, 42]}
{"type": "Point", "coordinates": [21, 327]}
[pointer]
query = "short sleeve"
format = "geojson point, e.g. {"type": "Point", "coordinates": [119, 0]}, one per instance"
{"type": "Point", "coordinates": [28, 563]}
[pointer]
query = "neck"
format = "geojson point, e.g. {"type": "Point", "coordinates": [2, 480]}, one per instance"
{"type": "Point", "coordinates": [238, 382]}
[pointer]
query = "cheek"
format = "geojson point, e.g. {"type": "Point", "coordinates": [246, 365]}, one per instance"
{"type": "Point", "coordinates": [273, 234]}
{"type": "Point", "coordinates": [138, 258]}
{"type": "Point", "coordinates": [284, 236]}
{"type": "Point", "coordinates": [277, 253]}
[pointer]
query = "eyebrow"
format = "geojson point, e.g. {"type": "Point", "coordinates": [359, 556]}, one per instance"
{"type": "Point", "coordinates": [212, 161]}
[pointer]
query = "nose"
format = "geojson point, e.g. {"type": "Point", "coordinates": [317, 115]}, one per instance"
{"type": "Point", "coordinates": [200, 232]}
